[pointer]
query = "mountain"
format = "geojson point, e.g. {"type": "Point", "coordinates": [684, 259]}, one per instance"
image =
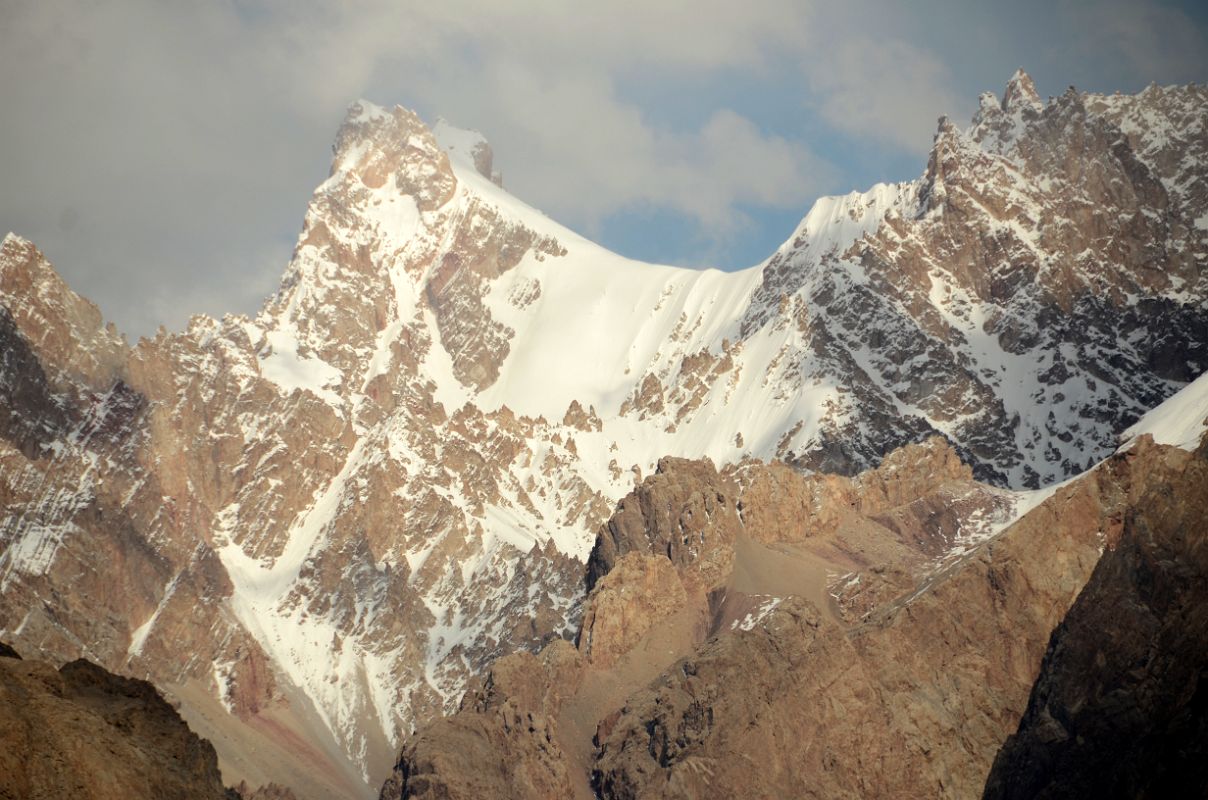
{"type": "Point", "coordinates": [1119, 705]}
{"type": "Point", "coordinates": [316, 528]}
{"type": "Point", "coordinates": [704, 673]}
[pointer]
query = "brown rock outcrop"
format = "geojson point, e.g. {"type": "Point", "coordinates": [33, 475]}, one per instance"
{"type": "Point", "coordinates": [780, 503]}
{"type": "Point", "coordinates": [639, 591]}
{"type": "Point", "coordinates": [771, 656]}
{"type": "Point", "coordinates": [581, 419]}
{"type": "Point", "coordinates": [79, 352]}
{"type": "Point", "coordinates": [671, 740]}
{"type": "Point", "coordinates": [83, 732]}
{"type": "Point", "coordinates": [685, 512]}
{"type": "Point", "coordinates": [269, 791]}
{"type": "Point", "coordinates": [407, 152]}
{"type": "Point", "coordinates": [502, 742]}
{"type": "Point", "coordinates": [909, 473]}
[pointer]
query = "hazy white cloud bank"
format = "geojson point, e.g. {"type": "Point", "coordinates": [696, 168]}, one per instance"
{"type": "Point", "coordinates": [162, 152]}
{"type": "Point", "coordinates": [888, 91]}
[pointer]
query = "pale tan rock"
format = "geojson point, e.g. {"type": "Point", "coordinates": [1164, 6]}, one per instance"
{"type": "Point", "coordinates": [685, 512]}
{"type": "Point", "coordinates": [913, 704]}
{"type": "Point", "coordinates": [503, 744]}
{"type": "Point", "coordinates": [581, 419]}
{"type": "Point", "coordinates": [72, 342]}
{"type": "Point", "coordinates": [638, 592]}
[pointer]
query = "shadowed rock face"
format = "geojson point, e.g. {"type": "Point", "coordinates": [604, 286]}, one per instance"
{"type": "Point", "coordinates": [916, 701]}
{"type": "Point", "coordinates": [30, 416]}
{"type": "Point", "coordinates": [83, 732]}
{"type": "Point", "coordinates": [1121, 705]}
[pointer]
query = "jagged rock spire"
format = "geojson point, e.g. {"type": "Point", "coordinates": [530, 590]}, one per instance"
{"type": "Point", "coordinates": [1020, 93]}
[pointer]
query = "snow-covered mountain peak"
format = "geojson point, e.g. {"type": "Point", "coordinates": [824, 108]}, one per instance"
{"type": "Point", "coordinates": [377, 145]}
{"type": "Point", "coordinates": [66, 330]}
{"type": "Point", "coordinates": [17, 252]}
{"type": "Point", "coordinates": [467, 147]}
{"type": "Point", "coordinates": [998, 124]}
{"type": "Point", "coordinates": [1020, 94]}
{"type": "Point", "coordinates": [834, 223]}
{"type": "Point", "coordinates": [393, 472]}
{"type": "Point", "coordinates": [12, 239]}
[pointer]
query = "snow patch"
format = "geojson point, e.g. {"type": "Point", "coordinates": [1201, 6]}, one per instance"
{"type": "Point", "coordinates": [1180, 421]}
{"type": "Point", "coordinates": [757, 614]}
{"type": "Point", "coordinates": [290, 370]}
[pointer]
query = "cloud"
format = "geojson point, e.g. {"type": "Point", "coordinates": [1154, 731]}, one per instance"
{"type": "Point", "coordinates": [569, 143]}
{"type": "Point", "coordinates": [130, 121]}
{"type": "Point", "coordinates": [167, 149]}
{"type": "Point", "coordinates": [1147, 39]}
{"type": "Point", "coordinates": [622, 35]}
{"type": "Point", "coordinates": [544, 87]}
{"type": "Point", "coordinates": [884, 90]}
{"type": "Point", "coordinates": [162, 153]}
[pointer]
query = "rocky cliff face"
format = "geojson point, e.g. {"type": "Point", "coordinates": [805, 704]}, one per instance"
{"type": "Point", "coordinates": [685, 511]}
{"type": "Point", "coordinates": [1119, 707]}
{"type": "Point", "coordinates": [910, 700]}
{"type": "Point", "coordinates": [1039, 285]}
{"type": "Point", "coordinates": [80, 731]}
{"type": "Point", "coordinates": [341, 511]}
{"type": "Point", "coordinates": [502, 742]}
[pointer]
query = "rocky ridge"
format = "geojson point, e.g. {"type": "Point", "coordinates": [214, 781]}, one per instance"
{"type": "Point", "coordinates": [675, 573]}
{"type": "Point", "coordinates": [912, 698]}
{"type": "Point", "coordinates": [348, 506]}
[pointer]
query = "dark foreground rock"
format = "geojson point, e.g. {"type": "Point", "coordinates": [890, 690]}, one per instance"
{"type": "Point", "coordinates": [1121, 705]}
{"type": "Point", "coordinates": [82, 732]}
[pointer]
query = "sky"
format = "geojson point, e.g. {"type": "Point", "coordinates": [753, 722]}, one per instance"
{"type": "Point", "coordinates": [162, 152]}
